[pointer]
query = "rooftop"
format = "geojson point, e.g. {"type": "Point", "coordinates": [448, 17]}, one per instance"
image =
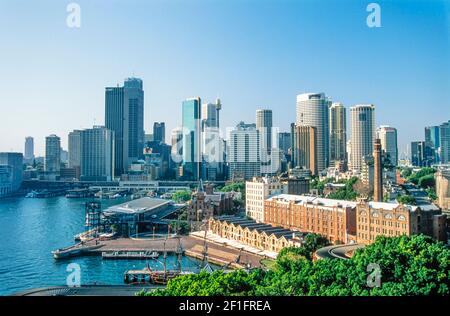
{"type": "Point", "coordinates": [137, 206]}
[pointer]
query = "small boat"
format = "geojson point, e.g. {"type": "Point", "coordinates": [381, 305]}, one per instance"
{"type": "Point", "coordinates": [130, 255]}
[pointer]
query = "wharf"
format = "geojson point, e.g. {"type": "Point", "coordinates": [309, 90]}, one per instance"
{"type": "Point", "coordinates": [192, 247]}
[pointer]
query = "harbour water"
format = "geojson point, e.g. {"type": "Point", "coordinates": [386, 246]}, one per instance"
{"type": "Point", "coordinates": [31, 228]}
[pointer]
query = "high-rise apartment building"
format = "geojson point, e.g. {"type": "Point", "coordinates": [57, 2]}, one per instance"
{"type": "Point", "coordinates": [124, 115]}
{"type": "Point", "coordinates": [52, 154]}
{"type": "Point", "coordinates": [244, 152]}
{"type": "Point", "coordinates": [97, 154]}
{"type": "Point", "coordinates": [159, 132]}
{"type": "Point", "coordinates": [312, 110]}
{"type": "Point", "coordinates": [363, 134]}
{"type": "Point", "coordinates": [338, 133]}
{"type": "Point", "coordinates": [388, 140]}
{"type": "Point", "coordinates": [191, 109]}
{"type": "Point", "coordinates": [304, 148]}
{"type": "Point", "coordinates": [29, 148]}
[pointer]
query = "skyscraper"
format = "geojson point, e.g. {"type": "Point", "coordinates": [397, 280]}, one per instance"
{"type": "Point", "coordinates": [338, 132]}
{"type": "Point", "coordinates": [418, 154]}
{"type": "Point", "coordinates": [284, 142]}
{"type": "Point", "coordinates": [97, 154]}
{"type": "Point", "coordinates": [312, 110]}
{"type": "Point", "coordinates": [159, 132]}
{"type": "Point", "coordinates": [305, 148]}
{"type": "Point", "coordinates": [29, 148]}
{"type": "Point", "coordinates": [244, 152]}
{"type": "Point", "coordinates": [191, 109]}
{"type": "Point", "coordinates": [177, 144]}
{"type": "Point", "coordinates": [362, 134]}
{"type": "Point", "coordinates": [75, 151]}
{"type": "Point", "coordinates": [270, 155]}
{"type": "Point", "coordinates": [444, 139]}
{"type": "Point", "coordinates": [211, 114]}
{"type": "Point", "coordinates": [388, 140]}
{"type": "Point", "coordinates": [52, 154]}
{"type": "Point", "coordinates": [212, 143]}
{"type": "Point", "coordinates": [124, 115]}
{"type": "Point", "coordinates": [432, 141]}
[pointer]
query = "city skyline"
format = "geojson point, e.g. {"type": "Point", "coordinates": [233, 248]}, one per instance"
{"type": "Point", "coordinates": [372, 75]}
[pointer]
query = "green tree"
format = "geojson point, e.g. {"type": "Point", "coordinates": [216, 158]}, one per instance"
{"type": "Point", "coordinates": [181, 196]}
{"type": "Point", "coordinates": [406, 199]}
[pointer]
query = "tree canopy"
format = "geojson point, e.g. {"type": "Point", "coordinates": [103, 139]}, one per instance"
{"type": "Point", "coordinates": [408, 266]}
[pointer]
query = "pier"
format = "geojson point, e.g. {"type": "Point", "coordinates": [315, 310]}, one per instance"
{"type": "Point", "coordinates": [192, 247]}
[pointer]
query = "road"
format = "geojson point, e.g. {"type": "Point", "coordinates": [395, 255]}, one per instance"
{"type": "Point", "coordinates": [336, 251]}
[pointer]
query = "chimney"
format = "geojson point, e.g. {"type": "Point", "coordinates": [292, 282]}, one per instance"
{"type": "Point", "coordinates": [377, 172]}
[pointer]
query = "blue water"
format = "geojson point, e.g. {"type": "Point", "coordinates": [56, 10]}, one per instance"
{"type": "Point", "coordinates": [31, 228]}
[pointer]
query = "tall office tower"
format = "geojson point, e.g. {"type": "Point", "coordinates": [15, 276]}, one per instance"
{"type": "Point", "coordinates": [244, 152]}
{"type": "Point", "coordinates": [444, 139]}
{"type": "Point", "coordinates": [159, 132]}
{"type": "Point", "coordinates": [338, 133]}
{"type": "Point", "coordinates": [264, 126]}
{"type": "Point", "coordinates": [377, 172]}
{"type": "Point", "coordinates": [177, 144]}
{"type": "Point", "coordinates": [212, 143]}
{"type": "Point", "coordinates": [418, 154]}
{"type": "Point", "coordinates": [97, 154]}
{"type": "Point", "coordinates": [13, 164]}
{"type": "Point", "coordinates": [211, 114]}
{"type": "Point", "coordinates": [305, 148]}
{"type": "Point", "coordinates": [75, 152]}
{"type": "Point", "coordinates": [432, 141]}
{"type": "Point", "coordinates": [349, 154]}
{"type": "Point", "coordinates": [284, 142]}
{"type": "Point", "coordinates": [191, 138]}
{"type": "Point", "coordinates": [52, 154]}
{"type": "Point", "coordinates": [270, 155]}
{"type": "Point", "coordinates": [312, 110]}
{"type": "Point", "coordinates": [124, 115]}
{"type": "Point", "coordinates": [388, 140]}
{"type": "Point", "coordinates": [29, 148]}
{"type": "Point", "coordinates": [362, 119]}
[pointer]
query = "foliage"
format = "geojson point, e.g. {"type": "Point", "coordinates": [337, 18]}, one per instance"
{"type": "Point", "coordinates": [406, 199]}
{"type": "Point", "coordinates": [180, 227]}
{"type": "Point", "coordinates": [427, 181]}
{"type": "Point", "coordinates": [347, 193]}
{"type": "Point", "coordinates": [414, 265]}
{"type": "Point", "coordinates": [181, 196]}
{"type": "Point", "coordinates": [424, 175]}
{"type": "Point", "coordinates": [234, 187]}
{"type": "Point", "coordinates": [406, 172]}
{"type": "Point", "coordinates": [431, 193]}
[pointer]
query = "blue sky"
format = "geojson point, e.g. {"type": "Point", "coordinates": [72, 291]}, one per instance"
{"type": "Point", "coordinates": [251, 53]}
